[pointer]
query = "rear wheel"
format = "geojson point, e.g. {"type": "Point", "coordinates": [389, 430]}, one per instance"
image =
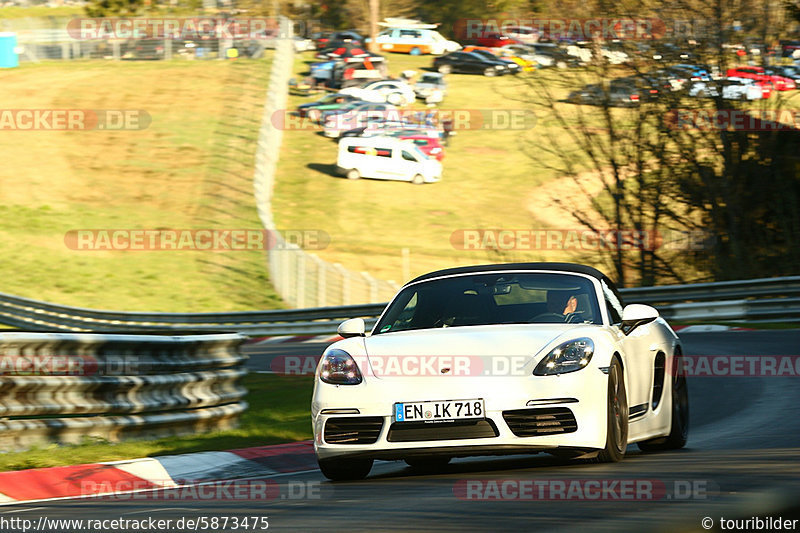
{"type": "Point", "coordinates": [415, 51]}
{"type": "Point", "coordinates": [445, 69]}
{"type": "Point", "coordinates": [427, 463]}
{"type": "Point", "coordinates": [353, 174]}
{"type": "Point", "coordinates": [338, 469]}
{"type": "Point", "coordinates": [679, 431]}
{"type": "Point", "coordinates": [617, 423]}
{"type": "Point", "coordinates": [418, 180]}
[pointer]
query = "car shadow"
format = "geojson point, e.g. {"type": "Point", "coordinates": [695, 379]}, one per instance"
{"type": "Point", "coordinates": [328, 169]}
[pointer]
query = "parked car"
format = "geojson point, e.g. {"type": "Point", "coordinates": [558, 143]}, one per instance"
{"type": "Point", "coordinates": [415, 41]}
{"type": "Point", "coordinates": [499, 359]}
{"type": "Point", "coordinates": [732, 89]}
{"type": "Point", "coordinates": [393, 91]}
{"type": "Point", "coordinates": [494, 40]}
{"type": "Point", "coordinates": [329, 102]}
{"type": "Point", "coordinates": [386, 158]}
{"type": "Point", "coordinates": [393, 128]}
{"type": "Point", "coordinates": [470, 63]}
{"type": "Point", "coordinates": [786, 71]}
{"type": "Point", "coordinates": [620, 93]}
{"type": "Point", "coordinates": [692, 72]}
{"type": "Point", "coordinates": [780, 83]}
{"type": "Point", "coordinates": [425, 141]}
{"type": "Point", "coordinates": [354, 106]}
{"type": "Point", "coordinates": [515, 63]}
{"type": "Point", "coordinates": [549, 55]}
{"type": "Point", "coordinates": [359, 115]}
{"type": "Point", "coordinates": [523, 34]}
{"type": "Point", "coordinates": [428, 83]}
{"type": "Point", "coordinates": [789, 47]}
{"type": "Point", "coordinates": [430, 146]}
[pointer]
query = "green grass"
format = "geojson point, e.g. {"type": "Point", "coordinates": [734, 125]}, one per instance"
{"type": "Point", "coordinates": [192, 168]}
{"type": "Point", "coordinates": [278, 412]}
{"type": "Point", "coordinates": [18, 12]}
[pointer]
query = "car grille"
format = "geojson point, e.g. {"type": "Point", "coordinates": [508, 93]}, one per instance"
{"type": "Point", "coordinates": [353, 429]}
{"type": "Point", "coordinates": [537, 422]}
{"type": "Point", "coordinates": [412, 432]}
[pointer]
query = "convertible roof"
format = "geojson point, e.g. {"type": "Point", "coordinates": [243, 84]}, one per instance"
{"type": "Point", "coordinates": [565, 267]}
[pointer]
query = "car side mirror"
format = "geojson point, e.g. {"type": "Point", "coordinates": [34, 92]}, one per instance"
{"type": "Point", "coordinates": [353, 327]}
{"type": "Point", "coordinates": [635, 315]}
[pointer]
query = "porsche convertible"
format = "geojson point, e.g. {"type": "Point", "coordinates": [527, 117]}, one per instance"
{"type": "Point", "coordinates": [499, 359]}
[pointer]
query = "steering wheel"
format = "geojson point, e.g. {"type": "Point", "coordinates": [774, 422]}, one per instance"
{"type": "Point", "coordinates": [548, 318]}
{"type": "Point", "coordinates": [574, 317]}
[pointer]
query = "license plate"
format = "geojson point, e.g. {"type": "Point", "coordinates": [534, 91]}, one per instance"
{"type": "Point", "coordinates": [444, 410]}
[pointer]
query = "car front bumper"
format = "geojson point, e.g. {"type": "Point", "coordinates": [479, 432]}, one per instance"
{"type": "Point", "coordinates": [582, 393]}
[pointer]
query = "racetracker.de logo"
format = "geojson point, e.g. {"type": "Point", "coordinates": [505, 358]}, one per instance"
{"type": "Point", "coordinates": [401, 119]}
{"type": "Point", "coordinates": [732, 366]}
{"type": "Point", "coordinates": [578, 239]}
{"type": "Point", "coordinates": [214, 240]}
{"type": "Point", "coordinates": [184, 28]}
{"type": "Point", "coordinates": [212, 491]}
{"type": "Point", "coordinates": [558, 29]}
{"type": "Point", "coordinates": [734, 119]}
{"type": "Point", "coordinates": [583, 489]}
{"type": "Point", "coordinates": [73, 119]}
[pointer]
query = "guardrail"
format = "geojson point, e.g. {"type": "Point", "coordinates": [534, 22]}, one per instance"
{"type": "Point", "coordinates": [775, 299]}
{"type": "Point", "coordinates": [58, 387]}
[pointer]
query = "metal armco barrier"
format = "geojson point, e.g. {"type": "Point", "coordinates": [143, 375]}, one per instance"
{"type": "Point", "coordinates": [769, 299]}
{"type": "Point", "coordinates": [60, 387]}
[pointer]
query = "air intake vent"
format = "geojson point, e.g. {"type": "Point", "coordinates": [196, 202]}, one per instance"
{"type": "Point", "coordinates": [538, 422]}
{"type": "Point", "coordinates": [414, 432]}
{"type": "Point", "coordinates": [353, 429]}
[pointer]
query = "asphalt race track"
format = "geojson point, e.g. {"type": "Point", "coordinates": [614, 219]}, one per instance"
{"type": "Point", "coordinates": [742, 461]}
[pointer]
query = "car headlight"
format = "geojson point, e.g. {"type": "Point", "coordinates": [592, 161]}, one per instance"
{"type": "Point", "coordinates": [339, 368]}
{"type": "Point", "coordinates": [566, 357]}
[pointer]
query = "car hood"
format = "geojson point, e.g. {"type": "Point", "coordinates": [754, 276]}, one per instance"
{"type": "Point", "coordinates": [482, 342]}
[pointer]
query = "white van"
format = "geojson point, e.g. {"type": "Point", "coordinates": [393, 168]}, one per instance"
{"type": "Point", "coordinates": [408, 36]}
{"type": "Point", "coordinates": [386, 158]}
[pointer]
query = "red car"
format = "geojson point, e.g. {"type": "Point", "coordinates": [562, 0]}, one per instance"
{"type": "Point", "coordinates": [494, 40]}
{"type": "Point", "coordinates": [757, 73]}
{"type": "Point", "coordinates": [428, 145]}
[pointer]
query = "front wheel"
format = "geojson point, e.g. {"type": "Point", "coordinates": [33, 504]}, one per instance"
{"type": "Point", "coordinates": [617, 417]}
{"type": "Point", "coordinates": [679, 431]}
{"type": "Point", "coordinates": [415, 51]}
{"type": "Point", "coordinates": [489, 72]}
{"type": "Point", "coordinates": [418, 180]}
{"type": "Point", "coordinates": [353, 174]}
{"type": "Point", "coordinates": [338, 469]}
{"type": "Point", "coordinates": [396, 99]}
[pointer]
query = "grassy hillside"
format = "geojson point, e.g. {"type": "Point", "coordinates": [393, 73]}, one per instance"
{"type": "Point", "coordinates": [192, 168]}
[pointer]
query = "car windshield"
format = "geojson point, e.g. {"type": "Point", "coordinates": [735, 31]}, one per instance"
{"type": "Point", "coordinates": [493, 298]}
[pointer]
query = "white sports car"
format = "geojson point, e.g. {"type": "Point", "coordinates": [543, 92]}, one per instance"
{"type": "Point", "coordinates": [499, 359]}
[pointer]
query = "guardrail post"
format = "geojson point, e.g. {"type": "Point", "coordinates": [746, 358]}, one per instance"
{"type": "Point", "coordinates": [301, 278]}
{"type": "Point", "coordinates": [373, 287]}
{"type": "Point", "coordinates": [321, 280]}
{"type": "Point", "coordinates": [345, 275]}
